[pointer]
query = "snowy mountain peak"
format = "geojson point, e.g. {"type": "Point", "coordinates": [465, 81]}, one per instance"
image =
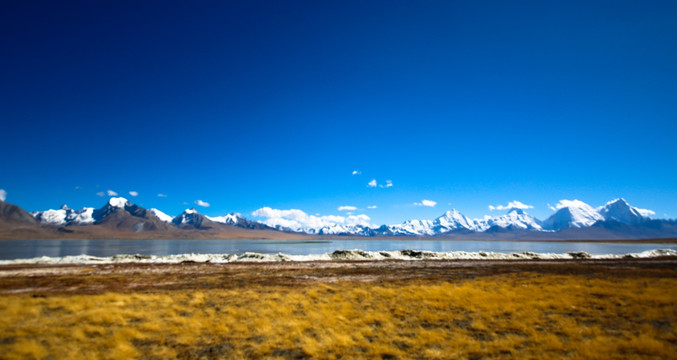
{"type": "Point", "coordinates": [452, 220]}
{"type": "Point", "coordinates": [615, 202]}
{"type": "Point", "coordinates": [620, 210]}
{"type": "Point", "coordinates": [572, 214]}
{"type": "Point", "coordinates": [118, 202]}
{"type": "Point", "coordinates": [190, 211]}
{"type": "Point", "coordinates": [64, 207]}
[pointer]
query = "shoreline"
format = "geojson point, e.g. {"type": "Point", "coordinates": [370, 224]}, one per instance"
{"type": "Point", "coordinates": [310, 238]}
{"type": "Point", "coordinates": [335, 256]}
{"type": "Point", "coordinates": [42, 279]}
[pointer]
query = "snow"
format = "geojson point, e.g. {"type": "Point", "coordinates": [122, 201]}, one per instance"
{"type": "Point", "coordinates": [228, 219]}
{"type": "Point", "coordinates": [356, 254]}
{"type": "Point", "coordinates": [620, 210]}
{"type": "Point", "coordinates": [51, 216]}
{"type": "Point", "coordinates": [452, 220]}
{"type": "Point", "coordinates": [515, 218]}
{"type": "Point", "coordinates": [84, 216]}
{"type": "Point", "coordinates": [572, 214]}
{"type": "Point", "coordinates": [162, 216]}
{"type": "Point", "coordinates": [118, 202]}
{"type": "Point", "coordinates": [65, 216]}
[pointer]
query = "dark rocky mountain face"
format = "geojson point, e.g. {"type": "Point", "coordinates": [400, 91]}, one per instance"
{"type": "Point", "coordinates": [13, 214]}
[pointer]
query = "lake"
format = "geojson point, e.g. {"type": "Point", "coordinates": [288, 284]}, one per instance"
{"type": "Point", "coordinates": [25, 249]}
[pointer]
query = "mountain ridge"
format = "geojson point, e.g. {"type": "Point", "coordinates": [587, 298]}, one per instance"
{"type": "Point", "coordinates": [617, 219]}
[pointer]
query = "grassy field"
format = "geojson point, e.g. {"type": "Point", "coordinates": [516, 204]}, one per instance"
{"type": "Point", "coordinates": [437, 311]}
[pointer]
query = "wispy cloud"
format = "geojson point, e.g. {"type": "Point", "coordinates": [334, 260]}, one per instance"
{"type": "Point", "coordinates": [357, 172]}
{"type": "Point", "coordinates": [111, 193]}
{"type": "Point", "coordinates": [347, 208]}
{"type": "Point", "coordinates": [645, 212]}
{"type": "Point", "coordinates": [372, 183]}
{"type": "Point", "coordinates": [3, 194]}
{"type": "Point", "coordinates": [298, 219]}
{"type": "Point", "coordinates": [372, 207]}
{"type": "Point", "coordinates": [424, 202]}
{"type": "Point", "coordinates": [389, 183]}
{"type": "Point", "coordinates": [202, 203]}
{"type": "Point", "coordinates": [134, 193]}
{"type": "Point", "coordinates": [511, 205]}
{"type": "Point", "coordinates": [101, 194]}
{"type": "Point", "coordinates": [162, 195]}
{"type": "Point", "coordinates": [568, 203]}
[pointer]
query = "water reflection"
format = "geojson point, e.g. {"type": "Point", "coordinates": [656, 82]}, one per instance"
{"type": "Point", "coordinates": [22, 249]}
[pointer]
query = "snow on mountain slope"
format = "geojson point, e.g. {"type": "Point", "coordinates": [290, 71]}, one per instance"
{"type": "Point", "coordinates": [65, 216]}
{"type": "Point", "coordinates": [84, 216]}
{"type": "Point", "coordinates": [228, 219]}
{"type": "Point", "coordinates": [452, 220]}
{"type": "Point", "coordinates": [514, 219]}
{"type": "Point", "coordinates": [449, 221]}
{"type": "Point", "coordinates": [413, 228]}
{"type": "Point", "coordinates": [620, 210]}
{"type": "Point", "coordinates": [53, 217]}
{"type": "Point", "coordinates": [572, 214]}
{"type": "Point", "coordinates": [162, 216]}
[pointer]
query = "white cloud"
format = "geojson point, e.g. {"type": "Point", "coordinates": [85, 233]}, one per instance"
{"type": "Point", "coordinates": [347, 208]}
{"type": "Point", "coordinates": [101, 194]}
{"type": "Point", "coordinates": [162, 195]}
{"type": "Point", "coordinates": [3, 194]}
{"type": "Point", "coordinates": [357, 172]}
{"type": "Point", "coordinates": [372, 207]}
{"type": "Point", "coordinates": [111, 193]}
{"type": "Point", "coordinates": [389, 183]}
{"type": "Point", "coordinates": [645, 212]}
{"type": "Point", "coordinates": [511, 205]}
{"type": "Point", "coordinates": [568, 203]}
{"type": "Point", "coordinates": [428, 203]}
{"type": "Point", "coordinates": [134, 193]}
{"type": "Point", "coordinates": [77, 187]}
{"type": "Point", "coordinates": [298, 219]}
{"type": "Point", "coordinates": [201, 203]}
{"type": "Point", "coordinates": [372, 183]}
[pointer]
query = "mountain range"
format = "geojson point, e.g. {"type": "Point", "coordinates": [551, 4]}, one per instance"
{"type": "Point", "coordinates": [120, 218]}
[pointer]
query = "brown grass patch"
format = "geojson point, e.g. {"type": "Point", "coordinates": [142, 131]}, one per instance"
{"type": "Point", "coordinates": [582, 313]}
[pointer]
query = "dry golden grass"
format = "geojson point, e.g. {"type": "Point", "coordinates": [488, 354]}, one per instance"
{"type": "Point", "coordinates": [512, 315]}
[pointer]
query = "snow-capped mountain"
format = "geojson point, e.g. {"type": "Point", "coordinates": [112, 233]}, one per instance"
{"type": "Point", "coordinates": [514, 219]}
{"type": "Point", "coordinates": [621, 211]}
{"type": "Point", "coordinates": [192, 218]}
{"type": "Point", "coordinates": [572, 214]}
{"type": "Point", "coordinates": [160, 215]}
{"type": "Point", "coordinates": [452, 220]}
{"type": "Point", "coordinates": [114, 204]}
{"type": "Point", "coordinates": [413, 228]}
{"type": "Point", "coordinates": [65, 216]}
{"type": "Point", "coordinates": [616, 216]}
{"type": "Point", "coordinates": [449, 221]}
{"type": "Point", "coordinates": [236, 219]}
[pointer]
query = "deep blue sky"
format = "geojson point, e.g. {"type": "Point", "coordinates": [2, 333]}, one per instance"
{"type": "Point", "coordinates": [246, 104]}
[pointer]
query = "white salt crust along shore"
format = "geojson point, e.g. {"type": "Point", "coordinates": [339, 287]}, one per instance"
{"type": "Point", "coordinates": [336, 255]}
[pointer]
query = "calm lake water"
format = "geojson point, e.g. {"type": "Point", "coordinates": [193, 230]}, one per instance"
{"type": "Point", "coordinates": [25, 249]}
